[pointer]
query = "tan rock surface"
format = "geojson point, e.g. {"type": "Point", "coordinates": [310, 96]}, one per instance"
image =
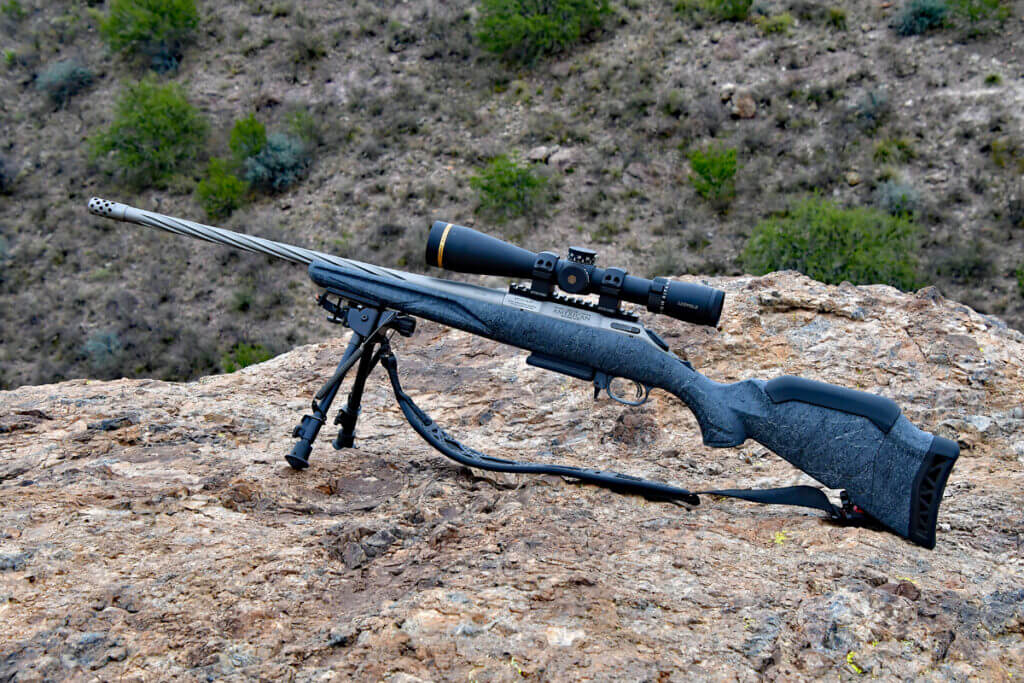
{"type": "Point", "coordinates": [151, 530]}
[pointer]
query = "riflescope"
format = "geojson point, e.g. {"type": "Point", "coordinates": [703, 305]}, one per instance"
{"type": "Point", "coordinates": [464, 250]}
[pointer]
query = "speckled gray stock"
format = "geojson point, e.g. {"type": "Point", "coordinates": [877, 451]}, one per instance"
{"type": "Point", "coordinates": [839, 449]}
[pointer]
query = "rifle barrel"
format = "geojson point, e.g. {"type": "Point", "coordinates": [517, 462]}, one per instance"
{"type": "Point", "coordinates": [180, 226]}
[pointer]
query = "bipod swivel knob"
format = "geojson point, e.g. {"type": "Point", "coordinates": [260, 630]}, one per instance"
{"type": "Point", "coordinates": [405, 325]}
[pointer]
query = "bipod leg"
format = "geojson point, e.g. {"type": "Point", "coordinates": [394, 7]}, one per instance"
{"type": "Point", "coordinates": [349, 414]}
{"type": "Point", "coordinates": [306, 431]}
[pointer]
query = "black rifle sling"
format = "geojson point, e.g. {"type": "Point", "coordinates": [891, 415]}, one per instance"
{"type": "Point", "coordinates": [432, 433]}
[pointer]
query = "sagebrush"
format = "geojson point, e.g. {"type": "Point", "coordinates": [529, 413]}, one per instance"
{"type": "Point", "coordinates": [920, 16]}
{"type": "Point", "coordinates": [103, 351]}
{"type": "Point", "coordinates": [280, 164]}
{"type": "Point", "coordinates": [897, 198]}
{"type": "Point", "coordinates": [63, 80]}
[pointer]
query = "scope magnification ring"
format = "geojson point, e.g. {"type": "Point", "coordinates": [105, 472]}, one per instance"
{"type": "Point", "coordinates": [658, 296]}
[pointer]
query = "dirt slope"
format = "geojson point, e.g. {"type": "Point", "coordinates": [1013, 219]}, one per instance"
{"type": "Point", "coordinates": [409, 107]}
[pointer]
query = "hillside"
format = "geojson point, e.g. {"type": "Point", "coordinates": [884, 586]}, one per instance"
{"type": "Point", "coordinates": [405, 107]}
{"type": "Point", "coordinates": [151, 530]}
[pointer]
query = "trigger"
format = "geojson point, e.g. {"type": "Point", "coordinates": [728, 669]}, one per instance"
{"type": "Point", "coordinates": [601, 383]}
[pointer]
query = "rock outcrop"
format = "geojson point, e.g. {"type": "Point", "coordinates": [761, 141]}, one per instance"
{"type": "Point", "coordinates": [151, 530]}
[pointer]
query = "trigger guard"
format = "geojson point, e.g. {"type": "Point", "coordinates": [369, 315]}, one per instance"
{"type": "Point", "coordinates": [641, 395]}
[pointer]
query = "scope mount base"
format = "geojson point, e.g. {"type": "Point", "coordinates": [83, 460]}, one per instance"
{"type": "Point", "coordinates": [615, 311]}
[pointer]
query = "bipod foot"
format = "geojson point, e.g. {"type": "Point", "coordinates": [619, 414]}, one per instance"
{"type": "Point", "coordinates": [298, 459]}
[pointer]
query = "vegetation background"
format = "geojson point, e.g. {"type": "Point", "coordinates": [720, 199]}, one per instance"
{"type": "Point", "coordinates": [875, 142]}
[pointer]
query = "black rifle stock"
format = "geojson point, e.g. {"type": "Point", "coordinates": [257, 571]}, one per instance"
{"type": "Point", "coordinates": [846, 439]}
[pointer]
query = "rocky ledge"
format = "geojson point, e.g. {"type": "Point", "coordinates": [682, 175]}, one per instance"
{"type": "Point", "coordinates": [151, 530]}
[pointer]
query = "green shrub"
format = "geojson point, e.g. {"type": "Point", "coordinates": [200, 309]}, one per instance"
{"type": "Point", "coordinates": [306, 127]}
{"type": "Point", "coordinates": [6, 177]}
{"type": "Point", "coordinates": [1008, 152]}
{"type": "Point", "coordinates": [158, 29]}
{"type": "Point", "coordinates": [968, 262]}
{"type": "Point", "coordinates": [248, 138]}
{"type": "Point", "coordinates": [242, 300]}
{"type": "Point", "coordinates": [155, 133]}
{"type": "Point", "coordinates": [714, 172]}
{"type": "Point", "coordinates": [607, 232]}
{"type": "Point", "coordinates": [1019, 273]}
{"type": "Point", "coordinates": [728, 10]}
{"type": "Point", "coordinates": [722, 10]}
{"type": "Point", "coordinates": [919, 16]}
{"type": "Point", "coordinates": [13, 10]}
{"type": "Point", "coordinates": [243, 355]}
{"type": "Point", "coordinates": [675, 102]}
{"type": "Point", "coordinates": [837, 18]}
{"type": "Point", "coordinates": [897, 199]}
{"type": "Point", "coordinates": [1014, 207]}
{"type": "Point", "coordinates": [979, 11]}
{"type": "Point", "coordinates": [63, 80]}
{"type": "Point", "coordinates": [507, 188]}
{"type": "Point", "coordinates": [280, 163]}
{"type": "Point", "coordinates": [306, 47]}
{"type": "Point", "coordinates": [526, 30]}
{"type": "Point", "coordinates": [898, 150]}
{"type": "Point", "coordinates": [780, 23]}
{"type": "Point", "coordinates": [834, 244]}
{"type": "Point", "coordinates": [221, 191]}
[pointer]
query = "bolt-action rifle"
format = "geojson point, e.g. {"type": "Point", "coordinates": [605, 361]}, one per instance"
{"type": "Point", "coordinates": [892, 473]}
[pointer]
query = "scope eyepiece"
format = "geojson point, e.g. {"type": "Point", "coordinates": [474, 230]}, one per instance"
{"type": "Point", "coordinates": [464, 250]}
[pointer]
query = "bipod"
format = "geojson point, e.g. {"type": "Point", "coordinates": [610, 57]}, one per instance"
{"type": "Point", "coordinates": [370, 327]}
